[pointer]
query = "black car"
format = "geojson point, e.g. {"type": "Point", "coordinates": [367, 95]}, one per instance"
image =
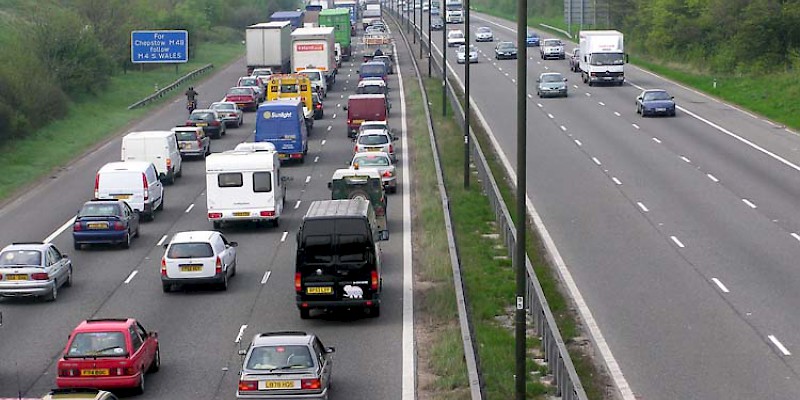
{"type": "Point", "coordinates": [505, 50]}
{"type": "Point", "coordinates": [437, 24]}
{"type": "Point", "coordinates": [319, 110]}
{"type": "Point", "coordinates": [105, 221]}
{"type": "Point", "coordinates": [209, 120]}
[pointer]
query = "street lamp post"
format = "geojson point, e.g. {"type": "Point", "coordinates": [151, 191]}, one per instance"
{"type": "Point", "coordinates": [519, 253]}
{"type": "Point", "coordinates": [444, 70]}
{"type": "Point", "coordinates": [466, 93]}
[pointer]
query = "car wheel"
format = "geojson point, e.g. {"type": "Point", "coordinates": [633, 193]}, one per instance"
{"type": "Point", "coordinates": [216, 224]}
{"type": "Point", "coordinates": [140, 387]}
{"type": "Point", "coordinates": [166, 287]}
{"type": "Point", "coordinates": [126, 244]}
{"type": "Point", "coordinates": [224, 131]}
{"type": "Point", "coordinates": [160, 205]}
{"type": "Point", "coordinates": [68, 282]}
{"type": "Point", "coordinates": [156, 365]}
{"type": "Point", "coordinates": [180, 171]}
{"type": "Point", "coordinates": [276, 222]}
{"type": "Point", "coordinates": [305, 313]}
{"type": "Point", "coordinates": [224, 284]}
{"type": "Point", "coordinates": [53, 295]}
{"type": "Point", "coordinates": [136, 234]}
{"type": "Point", "coordinates": [233, 269]}
{"type": "Point", "coordinates": [374, 311]}
{"type": "Point", "coordinates": [77, 246]}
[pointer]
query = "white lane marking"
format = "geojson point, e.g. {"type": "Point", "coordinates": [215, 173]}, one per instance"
{"type": "Point", "coordinates": [297, 205]}
{"type": "Point", "coordinates": [500, 69]}
{"type": "Point", "coordinates": [712, 177]}
{"type": "Point", "coordinates": [779, 345]}
{"type": "Point", "coordinates": [58, 231]}
{"type": "Point", "coordinates": [563, 128]}
{"type": "Point", "coordinates": [283, 237]}
{"type": "Point", "coordinates": [588, 95]}
{"type": "Point", "coordinates": [342, 96]}
{"type": "Point", "coordinates": [578, 142]}
{"type": "Point", "coordinates": [316, 158]}
{"type": "Point", "coordinates": [344, 88]}
{"type": "Point", "coordinates": [617, 113]}
{"type": "Point", "coordinates": [241, 332]}
{"type": "Point", "coordinates": [601, 103]}
{"type": "Point", "coordinates": [322, 143]}
{"type": "Point", "coordinates": [530, 96]}
{"type": "Point", "coordinates": [749, 203]}
{"type": "Point", "coordinates": [720, 285]}
{"type": "Point", "coordinates": [677, 242]}
{"type": "Point", "coordinates": [617, 181]}
{"type": "Point", "coordinates": [191, 206]}
{"type": "Point", "coordinates": [642, 206]}
{"type": "Point", "coordinates": [596, 161]}
{"type": "Point", "coordinates": [163, 239]}
{"type": "Point", "coordinates": [334, 116]}
{"type": "Point", "coordinates": [796, 236]}
{"type": "Point", "coordinates": [539, 105]}
{"type": "Point", "coordinates": [506, 73]}
{"type": "Point", "coordinates": [308, 178]}
{"type": "Point", "coordinates": [329, 127]}
{"type": "Point", "coordinates": [655, 139]}
{"type": "Point", "coordinates": [130, 277]}
{"type": "Point", "coordinates": [550, 116]}
{"type": "Point", "coordinates": [338, 105]}
{"type": "Point", "coordinates": [686, 159]}
{"type": "Point", "coordinates": [635, 126]}
{"type": "Point", "coordinates": [513, 80]}
{"type": "Point", "coordinates": [265, 278]}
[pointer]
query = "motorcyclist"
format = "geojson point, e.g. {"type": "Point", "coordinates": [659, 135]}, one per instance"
{"type": "Point", "coordinates": [191, 98]}
{"type": "Point", "coordinates": [378, 52]}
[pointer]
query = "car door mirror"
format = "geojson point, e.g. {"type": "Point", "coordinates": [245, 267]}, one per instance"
{"type": "Point", "coordinates": [330, 350]}
{"type": "Point", "coordinates": [64, 256]}
{"type": "Point", "coordinates": [395, 138]}
{"type": "Point", "coordinates": [383, 236]}
{"type": "Point", "coordinates": [672, 97]}
{"type": "Point", "coordinates": [165, 245]}
{"type": "Point", "coordinates": [242, 352]}
{"type": "Point", "coordinates": [233, 244]}
{"type": "Point", "coordinates": [538, 80]}
{"type": "Point", "coordinates": [330, 185]}
{"type": "Point", "coordinates": [565, 79]}
{"type": "Point", "coordinates": [153, 335]}
{"type": "Point", "coordinates": [345, 108]}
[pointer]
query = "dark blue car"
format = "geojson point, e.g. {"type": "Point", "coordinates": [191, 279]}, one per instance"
{"type": "Point", "coordinates": [532, 39]}
{"type": "Point", "coordinates": [105, 221]}
{"type": "Point", "coordinates": [655, 102]}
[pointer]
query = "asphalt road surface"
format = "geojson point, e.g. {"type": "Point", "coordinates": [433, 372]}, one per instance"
{"type": "Point", "coordinates": [681, 233]}
{"type": "Point", "coordinates": [197, 327]}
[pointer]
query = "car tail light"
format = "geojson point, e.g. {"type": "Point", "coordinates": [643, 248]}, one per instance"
{"type": "Point", "coordinates": [267, 213]}
{"type": "Point", "coordinates": [96, 186]}
{"type": "Point", "coordinates": [169, 163]}
{"type": "Point", "coordinates": [163, 266]}
{"type": "Point", "coordinates": [319, 105]}
{"type": "Point", "coordinates": [199, 143]}
{"type": "Point", "coordinates": [214, 215]}
{"type": "Point", "coordinates": [247, 386]}
{"type": "Point", "coordinates": [310, 384]}
{"type": "Point", "coordinates": [355, 149]}
{"type": "Point", "coordinates": [68, 372]}
{"type": "Point", "coordinates": [387, 174]}
{"type": "Point", "coordinates": [40, 276]}
{"type": "Point", "coordinates": [378, 210]}
{"type": "Point", "coordinates": [373, 282]}
{"type": "Point", "coordinates": [218, 269]}
{"type": "Point", "coordinates": [214, 123]}
{"type": "Point", "coordinates": [189, 123]}
{"type": "Point", "coordinates": [119, 226]}
{"type": "Point", "coordinates": [298, 282]}
{"type": "Point", "coordinates": [144, 185]}
{"type": "Point", "coordinates": [349, 121]}
{"type": "Point", "coordinates": [1, 277]}
{"type": "Point", "coordinates": [77, 226]}
{"type": "Point", "coordinates": [296, 155]}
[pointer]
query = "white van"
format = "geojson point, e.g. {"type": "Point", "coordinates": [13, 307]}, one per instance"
{"type": "Point", "coordinates": [157, 147]}
{"type": "Point", "coordinates": [136, 182]}
{"type": "Point", "coordinates": [255, 146]}
{"type": "Point", "coordinates": [244, 185]}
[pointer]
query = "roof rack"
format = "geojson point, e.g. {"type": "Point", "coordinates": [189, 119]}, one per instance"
{"type": "Point", "coordinates": [283, 333]}
{"type": "Point", "coordinates": [107, 320]}
{"type": "Point", "coordinates": [18, 243]}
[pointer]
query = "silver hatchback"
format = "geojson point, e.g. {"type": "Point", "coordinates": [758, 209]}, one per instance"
{"type": "Point", "coordinates": [375, 140]}
{"type": "Point", "coordinates": [382, 163]}
{"type": "Point", "coordinates": [192, 141]}
{"type": "Point", "coordinates": [33, 269]}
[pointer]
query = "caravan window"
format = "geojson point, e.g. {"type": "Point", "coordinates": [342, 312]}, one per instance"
{"type": "Point", "coordinates": [230, 179]}
{"type": "Point", "coordinates": [262, 182]}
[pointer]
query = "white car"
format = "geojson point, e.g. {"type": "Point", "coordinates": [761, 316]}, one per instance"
{"type": "Point", "coordinates": [380, 161]}
{"type": "Point", "coordinates": [372, 87]}
{"type": "Point", "coordinates": [455, 38]}
{"type": "Point", "coordinates": [461, 54]}
{"type": "Point", "coordinates": [198, 257]}
{"type": "Point", "coordinates": [318, 82]}
{"type": "Point", "coordinates": [263, 73]}
{"type": "Point", "coordinates": [484, 34]}
{"type": "Point", "coordinates": [551, 48]}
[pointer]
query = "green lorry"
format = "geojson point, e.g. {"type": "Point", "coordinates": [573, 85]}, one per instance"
{"type": "Point", "coordinates": [339, 19]}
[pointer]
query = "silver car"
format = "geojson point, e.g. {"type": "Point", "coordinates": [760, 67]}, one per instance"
{"type": "Point", "coordinates": [285, 365]}
{"type": "Point", "coordinates": [551, 84]}
{"type": "Point", "coordinates": [551, 48]}
{"type": "Point", "coordinates": [229, 112]}
{"type": "Point", "coordinates": [375, 140]}
{"type": "Point", "coordinates": [484, 34]}
{"type": "Point", "coordinates": [33, 269]}
{"type": "Point", "coordinates": [461, 54]}
{"type": "Point", "coordinates": [380, 161]}
{"type": "Point", "coordinates": [192, 141]}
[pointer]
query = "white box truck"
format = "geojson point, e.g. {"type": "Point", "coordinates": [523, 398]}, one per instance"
{"type": "Point", "coordinates": [157, 147]}
{"type": "Point", "coordinates": [371, 14]}
{"type": "Point", "coordinates": [313, 48]}
{"type": "Point", "coordinates": [602, 57]}
{"type": "Point", "coordinates": [454, 12]}
{"type": "Point", "coordinates": [269, 45]}
{"type": "Point", "coordinates": [244, 185]}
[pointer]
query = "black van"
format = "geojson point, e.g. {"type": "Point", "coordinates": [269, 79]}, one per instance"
{"type": "Point", "coordinates": [338, 262]}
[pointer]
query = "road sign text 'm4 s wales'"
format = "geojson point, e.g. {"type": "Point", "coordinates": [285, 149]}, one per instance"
{"type": "Point", "coordinates": [159, 47]}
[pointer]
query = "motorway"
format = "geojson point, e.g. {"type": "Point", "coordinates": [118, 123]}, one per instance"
{"type": "Point", "coordinates": [681, 234]}
{"type": "Point", "coordinates": [197, 327]}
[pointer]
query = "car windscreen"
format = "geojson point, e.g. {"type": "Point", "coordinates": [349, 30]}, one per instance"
{"type": "Point", "coordinates": [352, 235]}
{"type": "Point", "coordinates": [484, 30]}
{"type": "Point", "coordinates": [202, 116]}
{"type": "Point", "coordinates": [20, 257]}
{"type": "Point", "coordinates": [552, 43]}
{"type": "Point", "coordinates": [224, 106]}
{"type": "Point", "coordinates": [279, 357]}
{"type": "Point", "coordinates": [240, 92]}
{"type": "Point", "coordinates": [606, 59]}
{"type": "Point", "coordinates": [371, 161]}
{"type": "Point", "coordinates": [455, 35]}
{"type": "Point", "coordinates": [290, 88]}
{"type": "Point", "coordinates": [506, 46]}
{"type": "Point", "coordinates": [317, 241]}
{"type": "Point", "coordinates": [374, 69]}
{"type": "Point", "coordinates": [313, 75]}
{"type": "Point", "coordinates": [371, 140]}
{"type": "Point", "coordinates": [248, 82]}
{"type": "Point", "coordinates": [654, 96]}
{"type": "Point", "coordinates": [190, 250]}
{"type": "Point", "coordinates": [370, 89]}
{"type": "Point", "coordinates": [92, 344]}
{"type": "Point", "coordinates": [99, 210]}
{"type": "Point", "coordinates": [552, 78]}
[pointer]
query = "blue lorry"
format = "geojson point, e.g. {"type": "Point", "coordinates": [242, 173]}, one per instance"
{"type": "Point", "coordinates": [296, 18]}
{"type": "Point", "coordinates": [282, 123]}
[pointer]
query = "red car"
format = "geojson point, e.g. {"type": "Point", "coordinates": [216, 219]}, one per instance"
{"type": "Point", "coordinates": [108, 354]}
{"type": "Point", "coordinates": [244, 96]}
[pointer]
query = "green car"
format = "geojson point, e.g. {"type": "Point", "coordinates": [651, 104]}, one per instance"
{"type": "Point", "coordinates": [361, 183]}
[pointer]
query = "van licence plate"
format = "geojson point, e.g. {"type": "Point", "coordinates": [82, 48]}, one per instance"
{"type": "Point", "coordinates": [122, 196]}
{"type": "Point", "coordinates": [191, 268]}
{"type": "Point", "coordinates": [241, 214]}
{"type": "Point", "coordinates": [319, 290]}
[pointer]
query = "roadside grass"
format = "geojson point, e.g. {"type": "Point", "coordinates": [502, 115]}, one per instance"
{"type": "Point", "coordinates": [93, 119]}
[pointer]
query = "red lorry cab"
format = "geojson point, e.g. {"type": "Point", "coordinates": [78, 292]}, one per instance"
{"type": "Point", "coordinates": [365, 107]}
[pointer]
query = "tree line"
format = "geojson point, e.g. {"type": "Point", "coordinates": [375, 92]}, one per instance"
{"type": "Point", "coordinates": [58, 51]}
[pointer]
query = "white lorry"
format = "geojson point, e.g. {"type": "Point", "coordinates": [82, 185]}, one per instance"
{"type": "Point", "coordinates": [269, 45]}
{"type": "Point", "coordinates": [244, 185]}
{"type": "Point", "coordinates": [314, 48]}
{"type": "Point", "coordinates": [454, 12]}
{"type": "Point", "coordinates": [371, 15]}
{"type": "Point", "coordinates": [602, 57]}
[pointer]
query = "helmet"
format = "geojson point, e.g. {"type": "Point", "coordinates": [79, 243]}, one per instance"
{"type": "Point", "coordinates": [191, 87]}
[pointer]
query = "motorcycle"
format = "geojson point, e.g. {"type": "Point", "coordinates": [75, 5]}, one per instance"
{"type": "Point", "coordinates": [191, 105]}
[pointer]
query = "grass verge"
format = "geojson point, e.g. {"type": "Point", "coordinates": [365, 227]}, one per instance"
{"type": "Point", "coordinates": [93, 119]}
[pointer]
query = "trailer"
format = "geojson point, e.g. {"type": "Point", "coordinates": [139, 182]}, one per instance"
{"type": "Point", "coordinates": [339, 19]}
{"type": "Point", "coordinates": [269, 45]}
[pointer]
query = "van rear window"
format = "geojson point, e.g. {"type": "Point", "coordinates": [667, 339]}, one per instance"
{"type": "Point", "coordinates": [190, 250]}
{"type": "Point", "coordinates": [229, 179]}
{"type": "Point", "coordinates": [262, 182]}
{"type": "Point", "coordinates": [186, 135]}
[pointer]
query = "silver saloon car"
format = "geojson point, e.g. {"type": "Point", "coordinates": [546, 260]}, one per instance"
{"type": "Point", "coordinates": [551, 84]}
{"type": "Point", "coordinates": [33, 269]}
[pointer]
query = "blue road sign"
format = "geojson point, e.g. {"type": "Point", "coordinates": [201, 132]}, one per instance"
{"type": "Point", "coordinates": [170, 47]}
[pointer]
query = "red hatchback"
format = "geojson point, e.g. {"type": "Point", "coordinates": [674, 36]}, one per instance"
{"type": "Point", "coordinates": [108, 354]}
{"type": "Point", "coordinates": [244, 96]}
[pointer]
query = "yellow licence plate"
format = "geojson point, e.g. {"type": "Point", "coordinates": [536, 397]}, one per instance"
{"type": "Point", "coordinates": [16, 277]}
{"type": "Point", "coordinates": [122, 196]}
{"type": "Point", "coordinates": [202, 124]}
{"type": "Point", "coordinates": [319, 290]}
{"type": "Point", "coordinates": [280, 384]}
{"type": "Point", "coordinates": [191, 268]}
{"type": "Point", "coordinates": [95, 372]}
{"type": "Point", "coordinates": [358, 121]}
{"type": "Point", "coordinates": [97, 225]}
{"type": "Point", "coordinates": [282, 156]}
{"type": "Point", "coordinates": [241, 214]}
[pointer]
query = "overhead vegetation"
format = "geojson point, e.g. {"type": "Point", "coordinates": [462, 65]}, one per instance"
{"type": "Point", "coordinates": [61, 51]}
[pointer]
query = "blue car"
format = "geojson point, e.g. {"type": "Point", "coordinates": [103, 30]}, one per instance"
{"type": "Point", "coordinates": [532, 39]}
{"type": "Point", "coordinates": [655, 102]}
{"type": "Point", "coordinates": [105, 221]}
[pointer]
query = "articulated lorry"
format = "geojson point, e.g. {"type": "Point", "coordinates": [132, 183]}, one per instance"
{"type": "Point", "coordinates": [296, 18]}
{"type": "Point", "coordinates": [313, 48]}
{"type": "Point", "coordinates": [602, 57]}
{"type": "Point", "coordinates": [339, 19]}
{"type": "Point", "coordinates": [371, 15]}
{"type": "Point", "coordinates": [353, 8]}
{"type": "Point", "coordinates": [269, 45]}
